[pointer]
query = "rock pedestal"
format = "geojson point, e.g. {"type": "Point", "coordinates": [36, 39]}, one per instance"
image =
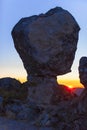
{"type": "Point", "coordinates": [48, 92]}
{"type": "Point", "coordinates": [46, 44]}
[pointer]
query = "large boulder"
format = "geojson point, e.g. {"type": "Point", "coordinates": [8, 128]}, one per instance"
{"type": "Point", "coordinates": [47, 43]}
{"type": "Point", "coordinates": [83, 71]}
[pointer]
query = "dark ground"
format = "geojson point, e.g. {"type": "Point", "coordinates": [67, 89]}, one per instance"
{"type": "Point", "coordinates": [8, 124]}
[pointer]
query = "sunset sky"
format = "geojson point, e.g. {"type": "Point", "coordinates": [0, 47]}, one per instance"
{"type": "Point", "coordinates": [11, 11]}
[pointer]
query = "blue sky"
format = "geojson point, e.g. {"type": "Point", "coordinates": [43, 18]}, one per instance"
{"type": "Point", "coordinates": [11, 11]}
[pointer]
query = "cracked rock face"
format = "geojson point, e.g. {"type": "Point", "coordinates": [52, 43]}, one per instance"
{"type": "Point", "coordinates": [47, 43]}
{"type": "Point", "coordinates": [83, 71]}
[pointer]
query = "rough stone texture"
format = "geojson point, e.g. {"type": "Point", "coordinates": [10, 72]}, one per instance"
{"type": "Point", "coordinates": [9, 124]}
{"type": "Point", "coordinates": [70, 112]}
{"type": "Point", "coordinates": [9, 83]}
{"type": "Point", "coordinates": [49, 92]}
{"type": "Point", "coordinates": [21, 111]}
{"type": "Point", "coordinates": [42, 42]}
{"type": "Point", "coordinates": [83, 71]}
{"type": "Point", "coordinates": [12, 88]}
{"type": "Point", "coordinates": [47, 43]}
{"type": "Point", "coordinates": [67, 115]}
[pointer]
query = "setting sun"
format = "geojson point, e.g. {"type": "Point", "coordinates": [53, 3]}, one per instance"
{"type": "Point", "coordinates": [70, 86]}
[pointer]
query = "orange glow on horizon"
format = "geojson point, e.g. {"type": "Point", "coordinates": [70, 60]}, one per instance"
{"type": "Point", "coordinates": [22, 80]}
{"type": "Point", "coordinates": [67, 82]}
{"type": "Point", "coordinates": [70, 83]}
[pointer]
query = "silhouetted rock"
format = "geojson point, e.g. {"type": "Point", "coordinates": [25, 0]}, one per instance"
{"type": "Point", "coordinates": [9, 83]}
{"type": "Point", "coordinates": [83, 71]}
{"type": "Point", "coordinates": [66, 115]}
{"type": "Point", "coordinates": [48, 93]}
{"type": "Point", "coordinates": [46, 43]}
{"type": "Point", "coordinates": [12, 88]}
{"type": "Point", "coordinates": [20, 111]}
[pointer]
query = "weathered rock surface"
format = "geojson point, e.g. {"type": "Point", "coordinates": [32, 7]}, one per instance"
{"type": "Point", "coordinates": [42, 42]}
{"type": "Point", "coordinates": [47, 43]}
{"type": "Point", "coordinates": [12, 88]}
{"type": "Point", "coordinates": [83, 71]}
{"type": "Point", "coordinates": [66, 112]}
{"type": "Point", "coordinates": [9, 83]}
{"type": "Point", "coordinates": [9, 124]}
{"type": "Point", "coordinates": [48, 93]}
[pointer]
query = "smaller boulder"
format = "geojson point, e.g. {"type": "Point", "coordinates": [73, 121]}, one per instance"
{"type": "Point", "coordinates": [11, 88]}
{"type": "Point", "coordinates": [83, 71]}
{"type": "Point", "coordinates": [9, 83]}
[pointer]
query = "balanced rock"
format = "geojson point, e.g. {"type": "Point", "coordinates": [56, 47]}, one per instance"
{"type": "Point", "coordinates": [47, 43]}
{"type": "Point", "coordinates": [83, 71]}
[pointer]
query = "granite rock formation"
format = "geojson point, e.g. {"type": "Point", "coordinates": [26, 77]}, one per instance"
{"type": "Point", "coordinates": [83, 71]}
{"type": "Point", "coordinates": [9, 83]}
{"type": "Point", "coordinates": [49, 94]}
{"type": "Point", "coordinates": [42, 42]}
{"type": "Point", "coordinates": [46, 43]}
{"type": "Point", "coordinates": [70, 112]}
{"type": "Point", "coordinates": [11, 88]}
